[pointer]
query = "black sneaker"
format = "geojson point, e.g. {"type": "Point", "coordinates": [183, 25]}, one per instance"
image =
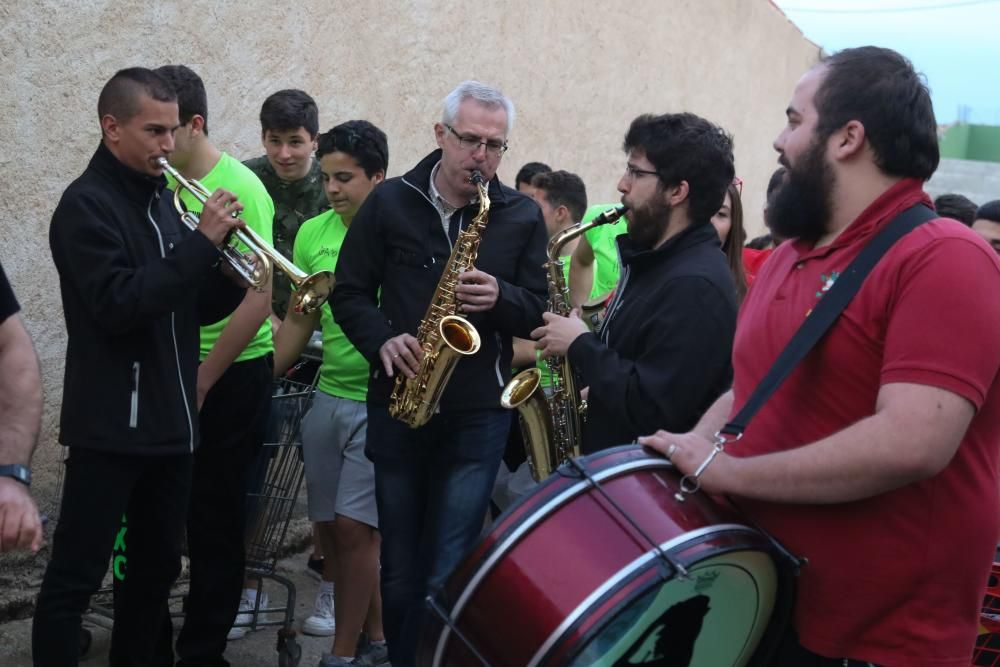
{"type": "Point", "coordinates": [314, 567]}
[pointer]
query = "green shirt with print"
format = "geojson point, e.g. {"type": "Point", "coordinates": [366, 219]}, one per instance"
{"type": "Point", "coordinates": [294, 203]}
{"type": "Point", "coordinates": [542, 364]}
{"type": "Point", "coordinates": [602, 240]}
{"type": "Point", "coordinates": [344, 372]}
{"type": "Point", "coordinates": [258, 211]}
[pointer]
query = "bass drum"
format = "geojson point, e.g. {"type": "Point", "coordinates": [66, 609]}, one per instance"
{"type": "Point", "coordinates": [602, 566]}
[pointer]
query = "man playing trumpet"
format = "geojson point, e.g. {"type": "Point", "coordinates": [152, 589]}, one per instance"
{"type": "Point", "coordinates": [136, 284]}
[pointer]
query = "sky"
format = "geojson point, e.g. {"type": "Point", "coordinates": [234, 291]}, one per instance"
{"type": "Point", "coordinates": [955, 43]}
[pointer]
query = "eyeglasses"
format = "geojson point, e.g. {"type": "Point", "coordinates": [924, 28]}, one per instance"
{"type": "Point", "coordinates": [738, 184]}
{"type": "Point", "coordinates": [472, 144]}
{"type": "Point", "coordinates": [632, 173]}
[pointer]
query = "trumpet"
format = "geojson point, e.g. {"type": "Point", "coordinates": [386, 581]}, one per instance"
{"type": "Point", "coordinates": [311, 292]}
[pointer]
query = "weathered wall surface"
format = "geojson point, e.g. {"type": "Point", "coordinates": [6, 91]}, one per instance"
{"type": "Point", "coordinates": [577, 70]}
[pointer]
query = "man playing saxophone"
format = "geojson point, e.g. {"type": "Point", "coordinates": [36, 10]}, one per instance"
{"type": "Point", "coordinates": [662, 354]}
{"type": "Point", "coordinates": [433, 482]}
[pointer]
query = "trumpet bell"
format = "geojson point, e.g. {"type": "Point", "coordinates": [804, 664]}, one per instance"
{"type": "Point", "coordinates": [312, 292]}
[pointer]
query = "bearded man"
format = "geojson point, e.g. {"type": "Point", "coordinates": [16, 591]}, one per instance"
{"type": "Point", "coordinates": [876, 460]}
{"type": "Point", "coordinates": [662, 355]}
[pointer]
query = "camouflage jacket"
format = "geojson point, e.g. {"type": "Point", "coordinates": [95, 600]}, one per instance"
{"type": "Point", "coordinates": [294, 203]}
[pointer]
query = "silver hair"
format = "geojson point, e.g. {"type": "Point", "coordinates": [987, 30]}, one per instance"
{"type": "Point", "coordinates": [486, 95]}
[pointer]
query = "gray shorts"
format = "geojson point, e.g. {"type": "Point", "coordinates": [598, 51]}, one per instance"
{"type": "Point", "coordinates": [339, 478]}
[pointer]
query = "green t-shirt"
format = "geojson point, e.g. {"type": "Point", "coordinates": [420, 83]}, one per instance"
{"type": "Point", "coordinates": [294, 203]}
{"type": "Point", "coordinates": [542, 364]}
{"type": "Point", "coordinates": [344, 372]}
{"type": "Point", "coordinates": [602, 240]}
{"type": "Point", "coordinates": [258, 211]}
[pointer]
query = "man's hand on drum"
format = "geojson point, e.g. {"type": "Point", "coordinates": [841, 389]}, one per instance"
{"type": "Point", "coordinates": [687, 451]}
{"type": "Point", "coordinates": [401, 352]}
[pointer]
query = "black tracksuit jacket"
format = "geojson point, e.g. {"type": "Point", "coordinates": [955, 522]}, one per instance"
{"type": "Point", "coordinates": [136, 284]}
{"type": "Point", "coordinates": [393, 257]}
{"type": "Point", "coordinates": [664, 352]}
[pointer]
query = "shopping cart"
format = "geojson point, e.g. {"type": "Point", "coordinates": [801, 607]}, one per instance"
{"type": "Point", "coordinates": [277, 479]}
{"type": "Point", "coordinates": [987, 653]}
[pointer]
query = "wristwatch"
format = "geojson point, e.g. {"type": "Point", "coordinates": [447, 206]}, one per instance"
{"type": "Point", "coordinates": [17, 471]}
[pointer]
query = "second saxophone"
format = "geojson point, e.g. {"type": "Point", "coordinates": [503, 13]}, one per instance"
{"type": "Point", "coordinates": [551, 424]}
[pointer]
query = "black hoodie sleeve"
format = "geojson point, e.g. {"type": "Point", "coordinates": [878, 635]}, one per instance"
{"type": "Point", "coordinates": [685, 345]}
{"type": "Point", "coordinates": [360, 267]}
{"type": "Point", "coordinates": [91, 255]}
{"type": "Point", "coordinates": [218, 297]}
{"type": "Point", "coordinates": [519, 308]}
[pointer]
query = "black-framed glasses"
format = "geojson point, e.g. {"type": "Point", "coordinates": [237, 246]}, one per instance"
{"type": "Point", "coordinates": [472, 144]}
{"type": "Point", "coordinates": [632, 173]}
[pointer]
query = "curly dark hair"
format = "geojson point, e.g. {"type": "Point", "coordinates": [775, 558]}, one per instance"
{"type": "Point", "coordinates": [361, 140]}
{"type": "Point", "coordinates": [685, 147]}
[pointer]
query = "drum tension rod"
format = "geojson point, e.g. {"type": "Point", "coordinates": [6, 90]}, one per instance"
{"type": "Point", "coordinates": [660, 553]}
{"type": "Point", "coordinates": [446, 619]}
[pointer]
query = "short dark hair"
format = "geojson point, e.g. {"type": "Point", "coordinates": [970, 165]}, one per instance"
{"type": "Point", "coordinates": [686, 147]}
{"type": "Point", "coordinates": [289, 109]}
{"type": "Point", "coordinates": [191, 97]}
{"type": "Point", "coordinates": [531, 169]}
{"type": "Point", "coordinates": [361, 140]}
{"type": "Point", "coordinates": [759, 242]}
{"type": "Point", "coordinates": [957, 207]}
{"type": "Point", "coordinates": [989, 211]}
{"type": "Point", "coordinates": [563, 188]}
{"type": "Point", "coordinates": [879, 88]}
{"type": "Point", "coordinates": [120, 95]}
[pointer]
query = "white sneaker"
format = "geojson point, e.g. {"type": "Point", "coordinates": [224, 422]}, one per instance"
{"type": "Point", "coordinates": [321, 624]}
{"type": "Point", "coordinates": [241, 626]}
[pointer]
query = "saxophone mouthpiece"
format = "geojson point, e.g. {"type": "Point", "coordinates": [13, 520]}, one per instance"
{"type": "Point", "coordinates": [612, 214]}
{"type": "Point", "coordinates": [476, 178]}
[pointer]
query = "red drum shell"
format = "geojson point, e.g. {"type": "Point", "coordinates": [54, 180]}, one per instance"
{"type": "Point", "coordinates": [558, 576]}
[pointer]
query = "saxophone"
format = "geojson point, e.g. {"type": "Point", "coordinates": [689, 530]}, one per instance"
{"type": "Point", "coordinates": [444, 336]}
{"type": "Point", "coordinates": [551, 424]}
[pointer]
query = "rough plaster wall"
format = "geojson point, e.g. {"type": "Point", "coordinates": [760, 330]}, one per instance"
{"type": "Point", "coordinates": [577, 70]}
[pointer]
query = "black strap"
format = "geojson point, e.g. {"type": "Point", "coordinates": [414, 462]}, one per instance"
{"type": "Point", "coordinates": [827, 311]}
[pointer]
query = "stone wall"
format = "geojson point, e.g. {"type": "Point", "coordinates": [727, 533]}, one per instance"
{"type": "Point", "coordinates": [578, 72]}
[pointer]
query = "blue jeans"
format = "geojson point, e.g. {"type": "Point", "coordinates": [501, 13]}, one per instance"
{"type": "Point", "coordinates": [432, 488]}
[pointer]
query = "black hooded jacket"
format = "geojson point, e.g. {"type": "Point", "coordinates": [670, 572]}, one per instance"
{"type": "Point", "coordinates": [136, 284]}
{"type": "Point", "coordinates": [664, 351]}
{"type": "Point", "coordinates": [392, 260]}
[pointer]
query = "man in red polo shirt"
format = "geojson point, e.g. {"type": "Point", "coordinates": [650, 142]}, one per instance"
{"type": "Point", "coordinates": [877, 459]}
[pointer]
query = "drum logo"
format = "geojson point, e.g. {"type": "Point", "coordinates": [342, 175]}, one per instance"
{"type": "Point", "coordinates": [669, 641]}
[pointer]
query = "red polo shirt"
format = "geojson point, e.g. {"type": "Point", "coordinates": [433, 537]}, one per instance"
{"type": "Point", "coordinates": [753, 260]}
{"type": "Point", "coordinates": [898, 578]}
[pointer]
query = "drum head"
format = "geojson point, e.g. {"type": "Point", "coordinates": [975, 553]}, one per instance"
{"type": "Point", "coordinates": [716, 615]}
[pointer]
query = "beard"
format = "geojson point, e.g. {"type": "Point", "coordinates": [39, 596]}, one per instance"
{"type": "Point", "coordinates": [648, 222]}
{"type": "Point", "coordinates": [802, 205]}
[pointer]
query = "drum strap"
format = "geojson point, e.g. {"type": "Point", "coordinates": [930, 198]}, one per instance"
{"type": "Point", "coordinates": [826, 312]}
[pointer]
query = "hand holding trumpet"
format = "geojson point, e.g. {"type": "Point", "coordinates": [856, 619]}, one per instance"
{"type": "Point", "coordinates": [219, 216]}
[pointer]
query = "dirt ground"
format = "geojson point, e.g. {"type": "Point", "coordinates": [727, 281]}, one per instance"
{"type": "Point", "coordinates": [257, 649]}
